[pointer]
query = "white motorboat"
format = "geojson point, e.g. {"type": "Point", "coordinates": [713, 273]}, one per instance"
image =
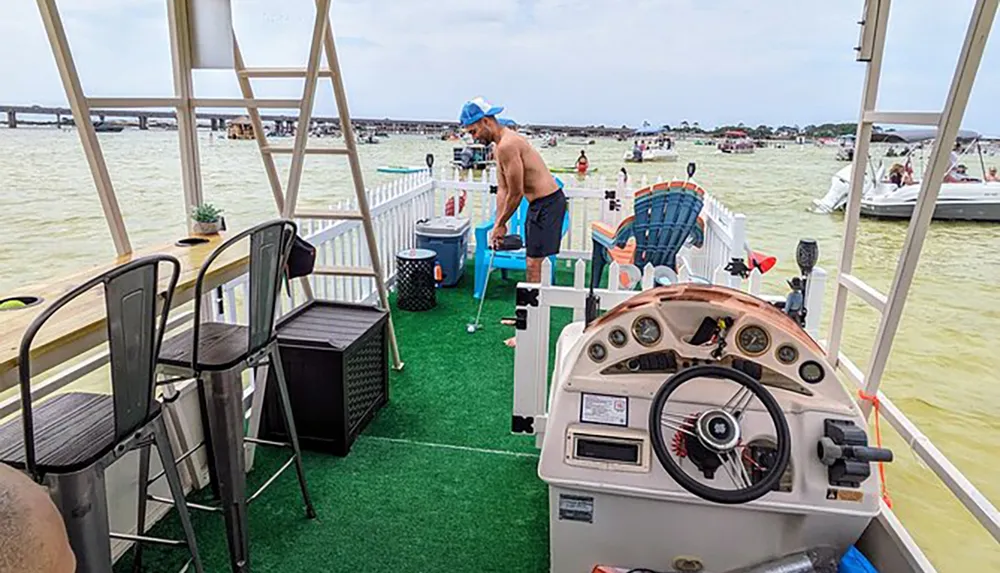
{"type": "Point", "coordinates": [845, 154]}
{"type": "Point", "coordinates": [968, 199]}
{"type": "Point", "coordinates": [840, 187]}
{"type": "Point", "coordinates": [660, 147]}
{"type": "Point", "coordinates": [846, 151]}
{"type": "Point", "coordinates": [651, 154]}
{"type": "Point", "coordinates": [972, 200]}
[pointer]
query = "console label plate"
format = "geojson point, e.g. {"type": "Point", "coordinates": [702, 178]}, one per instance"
{"type": "Point", "coordinates": [844, 495]}
{"type": "Point", "coordinates": [601, 409]}
{"type": "Point", "coordinates": [576, 508]}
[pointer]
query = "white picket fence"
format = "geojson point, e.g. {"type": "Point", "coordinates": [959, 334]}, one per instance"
{"type": "Point", "coordinates": [396, 208]}
{"type": "Point", "coordinates": [598, 199]}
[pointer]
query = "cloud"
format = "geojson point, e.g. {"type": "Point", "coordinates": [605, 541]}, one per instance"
{"type": "Point", "coordinates": [555, 61]}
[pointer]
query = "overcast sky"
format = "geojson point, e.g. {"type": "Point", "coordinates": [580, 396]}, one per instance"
{"type": "Point", "coordinates": [583, 62]}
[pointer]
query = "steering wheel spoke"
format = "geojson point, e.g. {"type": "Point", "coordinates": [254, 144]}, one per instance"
{"type": "Point", "coordinates": [739, 402]}
{"type": "Point", "coordinates": [678, 423]}
{"type": "Point", "coordinates": [733, 466]}
{"type": "Point", "coordinates": [680, 428]}
{"type": "Point", "coordinates": [714, 436]}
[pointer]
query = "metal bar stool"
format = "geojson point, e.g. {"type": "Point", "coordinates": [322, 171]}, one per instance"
{"type": "Point", "coordinates": [67, 441]}
{"type": "Point", "coordinates": [215, 355]}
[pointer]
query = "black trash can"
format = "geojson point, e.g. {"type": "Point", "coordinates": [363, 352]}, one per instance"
{"type": "Point", "coordinates": [415, 286]}
{"type": "Point", "coordinates": [335, 356]}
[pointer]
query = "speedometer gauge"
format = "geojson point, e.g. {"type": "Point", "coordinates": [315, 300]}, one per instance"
{"type": "Point", "coordinates": [753, 340]}
{"type": "Point", "coordinates": [646, 330]}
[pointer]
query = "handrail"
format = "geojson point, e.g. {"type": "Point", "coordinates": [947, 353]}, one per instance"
{"type": "Point", "coordinates": [970, 496]}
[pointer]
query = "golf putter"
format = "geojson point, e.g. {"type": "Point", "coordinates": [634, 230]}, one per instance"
{"type": "Point", "coordinates": [482, 298]}
{"type": "Point", "coordinates": [508, 243]}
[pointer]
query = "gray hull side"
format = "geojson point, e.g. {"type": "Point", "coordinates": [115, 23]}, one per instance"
{"type": "Point", "coordinates": [958, 211]}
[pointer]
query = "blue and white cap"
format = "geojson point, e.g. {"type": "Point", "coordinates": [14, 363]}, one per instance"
{"type": "Point", "coordinates": [475, 110]}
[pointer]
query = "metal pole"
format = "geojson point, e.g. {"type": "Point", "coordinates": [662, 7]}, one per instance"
{"type": "Point", "coordinates": [187, 120]}
{"type": "Point", "coordinates": [958, 98]}
{"type": "Point", "coordinates": [81, 117]}
{"type": "Point", "coordinates": [861, 149]}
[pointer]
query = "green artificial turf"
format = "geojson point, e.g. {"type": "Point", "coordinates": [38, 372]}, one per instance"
{"type": "Point", "coordinates": [435, 483]}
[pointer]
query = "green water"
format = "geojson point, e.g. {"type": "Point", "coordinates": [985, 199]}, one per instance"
{"type": "Point", "coordinates": [940, 372]}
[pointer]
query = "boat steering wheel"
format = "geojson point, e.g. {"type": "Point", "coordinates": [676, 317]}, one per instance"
{"type": "Point", "coordinates": [715, 436]}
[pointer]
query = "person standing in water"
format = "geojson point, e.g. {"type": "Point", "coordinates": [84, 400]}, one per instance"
{"type": "Point", "coordinates": [522, 174]}
{"type": "Point", "coordinates": [582, 164]}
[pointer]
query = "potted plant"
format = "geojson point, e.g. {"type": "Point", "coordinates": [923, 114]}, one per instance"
{"type": "Point", "coordinates": [206, 219]}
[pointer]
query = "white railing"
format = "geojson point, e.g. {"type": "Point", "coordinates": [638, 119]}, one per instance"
{"type": "Point", "coordinates": [395, 208]}
{"type": "Point", "coordinates": [598, 199]}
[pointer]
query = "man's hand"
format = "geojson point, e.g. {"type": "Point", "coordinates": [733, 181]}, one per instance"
{"type": "Point", "coordinates": [496, 238]}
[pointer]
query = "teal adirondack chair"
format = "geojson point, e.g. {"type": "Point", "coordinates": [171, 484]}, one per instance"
{"type": "Point", "coordinates": [667, 215]}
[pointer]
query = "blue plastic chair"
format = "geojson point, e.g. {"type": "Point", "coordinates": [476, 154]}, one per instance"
{"type": "Point", "coordinates": [507, 260]}
{"type": "Point", "coordinates": [667, 215]}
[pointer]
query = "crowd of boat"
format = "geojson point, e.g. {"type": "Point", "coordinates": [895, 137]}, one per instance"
{"type": "Point", "coordinates": [892, 180]}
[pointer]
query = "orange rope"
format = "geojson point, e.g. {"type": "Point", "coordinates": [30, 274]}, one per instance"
{"type": "Point", "coordinates": [878, 442]}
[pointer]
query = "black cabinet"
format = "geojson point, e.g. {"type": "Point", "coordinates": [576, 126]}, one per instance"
{"type": "Point", "coordinates": [335, 357]}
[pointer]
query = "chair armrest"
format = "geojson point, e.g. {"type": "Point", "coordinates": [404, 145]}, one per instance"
{"type": "Point", "coordinates": [482, 232]}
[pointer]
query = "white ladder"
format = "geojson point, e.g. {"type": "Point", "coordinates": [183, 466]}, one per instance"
{"type": "Point", "coordinates": [948, 121]}
{"type": "Point", "coordinates": [322, 39]}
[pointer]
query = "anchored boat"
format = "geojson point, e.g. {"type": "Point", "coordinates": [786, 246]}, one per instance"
{"type": "Point", "coordinates": [961, 197]}
{"type": "Point", "coordinates": [651, 155]}
{"type": "Point", "coordinates": [736, 142]}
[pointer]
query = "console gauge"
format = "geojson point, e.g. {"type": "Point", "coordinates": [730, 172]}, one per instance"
{"type": "Point", "coordinates": [753, 340]}
{"type": "Point", "coordinates": [811, 372]}
{"type": "Point", "coordinates": [617, 337]}
{"type": "Point", "coordinates": [787, 354]}
{"type": "Point", "coordinates": [597, 352]}
{"type": "Point", "coordinates": [646, 330]}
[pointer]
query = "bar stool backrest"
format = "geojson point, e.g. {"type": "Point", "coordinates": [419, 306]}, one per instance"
{"type": "Point", "coordinates": [270, 245]}
{"type": "Point", "coordinates": [135, 328]}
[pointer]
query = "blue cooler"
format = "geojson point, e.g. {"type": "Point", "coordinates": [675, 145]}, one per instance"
{"type": "Point", "coordinates": [449, 238]}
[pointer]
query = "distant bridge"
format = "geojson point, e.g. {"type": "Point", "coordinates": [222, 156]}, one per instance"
{"type": "Point", "coordinates": [218, 120]}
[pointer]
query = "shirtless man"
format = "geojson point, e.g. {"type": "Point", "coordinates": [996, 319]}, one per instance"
{"type": "Point", "coordinates": [522, 173]}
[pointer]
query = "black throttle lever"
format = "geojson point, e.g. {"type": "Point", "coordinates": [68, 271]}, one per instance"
{"type": "Point", "coordinates": [829, 453]}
